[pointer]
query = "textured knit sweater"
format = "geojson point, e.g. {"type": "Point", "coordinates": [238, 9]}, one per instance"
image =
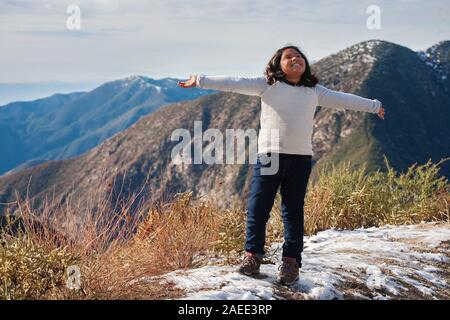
{"type": "Point", "coordinates": [287, 112]}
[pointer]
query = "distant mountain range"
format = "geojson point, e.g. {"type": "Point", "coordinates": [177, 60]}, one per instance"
{"type": "Point", "coordinates": [13, 92]}
{"type": "Point", "coordinates": [66, 125]}
{"type": "Point", "coordinates": [413, 86]}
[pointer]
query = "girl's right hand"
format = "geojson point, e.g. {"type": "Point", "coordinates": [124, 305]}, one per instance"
{"type": "Point", "coordinates": [381, 113]}
{"type": "Point", "coordinates": [191, 83]}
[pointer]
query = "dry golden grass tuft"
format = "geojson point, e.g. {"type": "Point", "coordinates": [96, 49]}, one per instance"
{"type": "Point", "coordinates": [176, 233]}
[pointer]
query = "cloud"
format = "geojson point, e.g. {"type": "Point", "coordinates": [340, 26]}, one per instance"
{"type": "Point", "coordinates": [173, 37]}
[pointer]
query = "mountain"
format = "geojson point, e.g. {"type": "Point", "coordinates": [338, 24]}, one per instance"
{"type": "Point", "coordinates": [137, 160]}
{"type": "Point", "coordinates": [141, 155]}
{"type": "Point", "coordinates": [12, 92]}
{"type": "Point", "coordinates": [417, 102]}
{"type": "Point", "coordinates": [438, 58]}
{"type": "Point", "coordinates": [63, 126]}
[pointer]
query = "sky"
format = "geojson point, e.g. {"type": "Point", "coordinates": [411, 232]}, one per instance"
{"type": "Point", "coordinates": [173, 38]}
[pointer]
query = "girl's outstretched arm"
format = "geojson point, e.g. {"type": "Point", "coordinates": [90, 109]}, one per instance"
{"type": "Point", "coordinates": [340, 100]}
{"type": "Point", "coordinates": [248, 86]}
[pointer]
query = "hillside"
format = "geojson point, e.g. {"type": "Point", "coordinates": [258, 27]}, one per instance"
{"type": "Point", "coordinates": [122, 165]}
{"type": "Point", "coordinates": [64, 126]}
{"type": "Point", "coordinates": [416, 128]}
{"type": "Point", "coordinates": [417, 103]}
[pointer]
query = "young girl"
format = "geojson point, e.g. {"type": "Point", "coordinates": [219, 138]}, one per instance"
{"type": "Point", "coordinates": [289, 96]}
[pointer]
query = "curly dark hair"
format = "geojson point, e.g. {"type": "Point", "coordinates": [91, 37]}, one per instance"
{"type": "Point", "coordinates": [274, 73]}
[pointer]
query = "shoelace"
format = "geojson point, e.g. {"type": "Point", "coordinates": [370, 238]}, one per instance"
{"type": "Point", "coordinates": [287, 267]}
{"type": "Point", "coordinates": [250, 262]}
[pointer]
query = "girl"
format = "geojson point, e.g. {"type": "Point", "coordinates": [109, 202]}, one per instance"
{"type": "Point", "coordinates": [289, 95]}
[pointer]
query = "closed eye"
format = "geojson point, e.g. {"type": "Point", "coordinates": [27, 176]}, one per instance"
{"type": "Point", "coordinates": [290, 57]}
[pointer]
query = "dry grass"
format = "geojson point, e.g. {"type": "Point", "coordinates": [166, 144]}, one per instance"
{"type": "Point", "coordinates": [348, 199]}
{"type": "Point", "coordinates": [117, 249]}
{"type": "Point", "coordinates": [113, 253]}
{"type": "Point", "coordinates": [176, 233]}
{"type": "Point", "coordinates": [231, 235]}
{"type": "Point", "coordinates": [29, 271]}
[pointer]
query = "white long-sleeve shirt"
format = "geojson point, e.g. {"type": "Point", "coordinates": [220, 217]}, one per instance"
{"type": "Point", "coordinates": [287, 111]}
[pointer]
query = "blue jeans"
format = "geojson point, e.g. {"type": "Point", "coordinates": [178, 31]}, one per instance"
{"type": "Point", "coordinates": [292, 176]}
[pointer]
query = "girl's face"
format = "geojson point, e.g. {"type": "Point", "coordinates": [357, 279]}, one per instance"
{"type": "Point", "coordinates": [292, 64]}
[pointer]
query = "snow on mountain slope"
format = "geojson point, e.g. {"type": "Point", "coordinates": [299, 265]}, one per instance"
{"type": "Point", "coordinates": [391, 262]}
{"type": "Point", "coordinates": [437, 58]}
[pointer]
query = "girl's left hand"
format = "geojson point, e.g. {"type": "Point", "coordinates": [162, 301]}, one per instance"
{"type": "Point", "coordinates": [381, 113]}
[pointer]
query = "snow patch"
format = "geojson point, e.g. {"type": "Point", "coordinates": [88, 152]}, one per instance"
{"type": "Point", "coordinates": [432, 60]}
{"type": "Point", "coordinates": [375, 263]}
{"type": "Point", "coordinates": [141, 81]}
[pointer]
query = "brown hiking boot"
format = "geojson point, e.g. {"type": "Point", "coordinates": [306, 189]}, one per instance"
{"type": "Point", "coordinates": [250, 265]}
{"type": "Point", "coordinates": [288, 271]}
